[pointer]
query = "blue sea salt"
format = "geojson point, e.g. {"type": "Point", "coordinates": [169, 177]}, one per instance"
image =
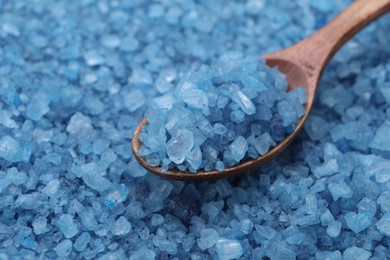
{"type": "Point", "coordinates": [340, 190]}
{"type": "Point", "coordinates": [72, 91]}
{"type": "Point", "coordinates": [333, 229]}
{"type": "Point", "coordinates": [327, 255]}
{"type": "Point", "coordinates": [10, 149]}
{"type": "Point", "coordinates": [354, 252]}
{"type": "Point", "coordinates": [92, 176]}
{"type": "Point", "coordinates": [40, 225]}
{"type": "Point", "coordinates": [383, 224]}
{"type": "Point", "coordinates": [381, 140]}
{"type": "Point", "coordinates": [82, 241]}
{"type": "Point", "coordinates": [208, 237]}
{"type": "Point", "coordinates": [180, 145]}
{"type": "Point", "coordinates": [143, 254]}
{"type": "Point", "coordinates": [121, 227]}
{"type": "Point", "coordinates": [64, 248]}
{"type": "Point", "coordinates": [67, 226]}
{"type": "Point", "coordinates": [216, 104]}
{"type": "Point", "coordinates": [228, 249]}
{"type": "Point", "coordinates": [238, 148]}
{"type": "Point", "coordinates": [357, 222]}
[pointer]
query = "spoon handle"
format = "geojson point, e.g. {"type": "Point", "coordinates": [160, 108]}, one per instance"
{"type": "Point", "coordinates": [315, 51]}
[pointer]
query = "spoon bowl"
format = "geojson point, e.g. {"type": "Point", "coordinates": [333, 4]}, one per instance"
{"type": "Point", "coordinates": [303, 64]}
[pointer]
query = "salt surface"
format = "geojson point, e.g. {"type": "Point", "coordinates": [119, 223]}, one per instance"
{"type": "Point", "coordinates": [71, 188]}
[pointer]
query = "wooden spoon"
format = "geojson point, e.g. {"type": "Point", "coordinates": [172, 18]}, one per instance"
{"type": "Point", "coordinates": [303, 64]}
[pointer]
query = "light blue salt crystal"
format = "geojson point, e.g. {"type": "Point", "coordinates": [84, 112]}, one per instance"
{"type": "Point", "coordinates": [266, 232]}
{"type": "Point", "coordinates": [383, 224]}
{"type": "Point", "coordinates": [208, 238]}
{"type": "Point", "coordinates": [367, 207]}
{"type": "Point", "coordinates": [287, 112]}
{"type": "Point", "coordinates": [311, 204]}
{"type": "Point", "coordinates": [121, 227]}
{"type": "Point", "coordinates": [136, 170]}
{"type": "Point", "coordinates": [67, 226]}
{"type": "Point", "coordinates": [244, 102]}
{"type": "Point", "coordinates": [157, 220]}
{"type": "Point", "coordinates": [263, 143]}
{"type": "Point", "coordinates": [356, 253]}
{"type": "Point", "coordinates": [219, 166]}
{"type": "Point", "coordinates": [111, 41]}
{"type": "Point", "coordinates": [294, 236]}
{"type": "Point", "coordinates": [29, 243]}
{"type": "Point", "coordinates": [10, 149]}
{"type": "Point", "coordinates": [92, 176]}
{"type": "Point", "coordinates": [16, 177]}
{"type": "Point", "coordinates": [188, 243]}
{"type": "Point", "coordinates": [381, 171]}
{"type": "Point", "coordinates": [194, 158]}
{"type": "Point", "coordinates": [326, 217]}
{"type": "Point", "coordinates": [219, 129]}
{"type": "Point", "coordinates": [237, 116]}
{"type": "Point", "coordinates": [238, 148]}
{"type": "Point", "coordinates": [78, 122]}
{"type": "Point", "coordinates": [381, 140]}
{"type": "Point", "coordinates": [298, 94]}
{"type": "Point", "coordinates": [333, 229]}
{"type": "Point", "coordinates": [52, 188]}
{"type": "Point", "coordinates": [6, 120]}
{"type": "Point", "coordinates": [328, 255]}
{"type": "Point", "coordinates": [195, 98]}
{"type": "Point", "coordinates": [82, 242]}
{"type": "Point", "coordinates": [228, 249]}
{"type": "Point", "coordinates": [64, 248]}
{"type": "Point", "coordinates": [384, 201]}
{"type": "Point", "coordinates": [11, 29]}
{"type": "Point", "coordinates": [88, 219]}
{"type": "Point", "coordinates": [180, 145]}
{"type": "Point", "coordinates": [93, 58]}
{"type": "Point", "coordinates": [100, 145]}
{"type": "Point", "coordinates": [163, 102]}
{"type": "Point", "coordinates": [357, 222]}
{"type": "Point", "coordinates": [143, 254]}
{"type": "Point", "coordinates": [134, 100]}
{"type": "Point", "coordinates": [40, 225]}
{"type": "Point", "coordinates": [129, 44]}
{"type": "Point", "coordinates": [316, 127]}
{"type": "Point", "coordinates": [165, 245]}
{"type": "Point", "coordinates": [340, 190]}
{"type": "Point", "coordinates": [37, 108]}
{"type": "Point", "coordinates": [328, 168]}
{"type": "Point", "coordinates": [323, 5]}
{"type": "Point", "coordinates": [118, 194]}
{"type": "Point", "coordinates": [385, 90]}
{"type": "Point", "coordinates": [54, 158]}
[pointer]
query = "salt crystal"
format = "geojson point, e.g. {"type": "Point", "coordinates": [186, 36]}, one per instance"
{"type": "Point", "coordinates": [64, 248]}
{"type": "Point", "coordinates": [354, 252]}
{"type": "Point", "coordinates": [228, 249]}
{"type": "Point", "coordinates": [383, 224]}
{"type": "Point", "coordinates": [67, 226]}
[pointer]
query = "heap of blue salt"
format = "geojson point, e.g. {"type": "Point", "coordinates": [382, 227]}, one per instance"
{"type": "Point", "coordinates": [219, 115]}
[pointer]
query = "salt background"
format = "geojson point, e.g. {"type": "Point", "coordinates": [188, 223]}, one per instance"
{"type": "Point", "coordinates": [75, 78]}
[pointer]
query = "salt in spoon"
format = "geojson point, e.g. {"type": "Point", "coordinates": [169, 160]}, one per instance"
{"type": "Point", "coordinates": [303, 64]}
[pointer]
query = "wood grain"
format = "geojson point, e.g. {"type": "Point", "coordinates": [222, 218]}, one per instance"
{"type": "Point", "coordinates": [303, 64]}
